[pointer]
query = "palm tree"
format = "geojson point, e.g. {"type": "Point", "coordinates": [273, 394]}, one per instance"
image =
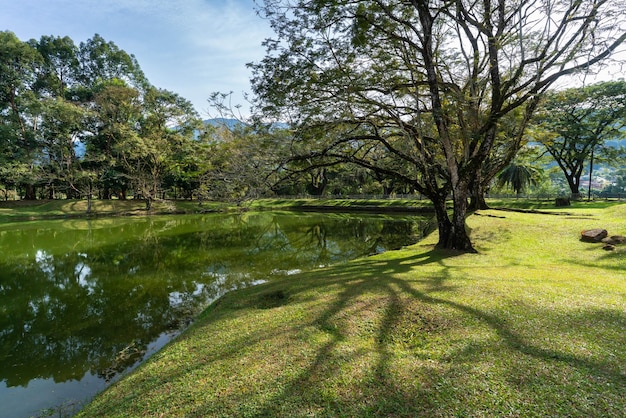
{"type": "Point", "coordinates": [518, 177]}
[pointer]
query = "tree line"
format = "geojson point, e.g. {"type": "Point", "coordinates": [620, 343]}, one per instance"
{"type": "Point", "coordinates": [431, 97]}
{"type": "Point", "coordinates": [83, 120]}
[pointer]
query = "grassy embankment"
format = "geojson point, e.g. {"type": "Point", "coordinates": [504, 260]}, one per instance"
{"type": "Point", "coordinates": [54, 209]}
{"type": "Point", "coordinates": [50, 209]}
{"type": "Point", "coordinates": [533, 325]}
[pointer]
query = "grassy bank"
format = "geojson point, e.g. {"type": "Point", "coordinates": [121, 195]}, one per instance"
{"type": "Point", "coordinates": [54, 209]}
{"type": "Point", "coordinates": [533, 325]}
{"type": "Point", "coordinates": [335, 204]}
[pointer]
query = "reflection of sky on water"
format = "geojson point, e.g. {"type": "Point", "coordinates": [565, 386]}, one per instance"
{"type": "Point", "coordinates": [178, 298]}
{"type": "Point", "coordinates": [46, 393]}
{"type": "Point", "coordinates": [67, 397]}
{"type": "Point", "coordinates": [72, 299]}
{"type": "Point", "coordinates": [82, 271]}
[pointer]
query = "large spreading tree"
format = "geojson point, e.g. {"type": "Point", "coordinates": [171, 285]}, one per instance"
{"type": "Point", "coordinates": [574, 124]}
{"type": "Point", "coordinates": [417, 90]}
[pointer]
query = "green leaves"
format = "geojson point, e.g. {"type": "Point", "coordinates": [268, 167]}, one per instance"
{"type": "Point", "coordinates": [518, 177]}
{"type": "Point", "coordinates": [575, 122]}
{"type": "Point", "coordinates": [57, 97]}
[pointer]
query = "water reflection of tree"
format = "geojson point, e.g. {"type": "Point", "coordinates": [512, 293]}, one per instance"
{"type": "Point", "coordinates": [331, 239]}
{"type": "Point", "coordinates": [67, 327]}
{"type": "Point", "coordinates": [78, 300]}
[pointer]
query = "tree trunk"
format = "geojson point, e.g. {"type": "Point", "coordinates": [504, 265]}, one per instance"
{"type": "Point", "coordinates": [590, 174]}
{"type": "Point", "coordinates": [477, 202]}
{"type": "Point", "coordinates": [573, 185]}
{"type": "Point", "coordinates": [477, 196]}
{"type": "Point", "coordinates": [30, 192]}
{"type": "Point", "coordinates": [387, 189]}
{"type": "Point", "coordinates": [452, 233]}
{"type": "Point", "coordinates": [318, 183]}
{"type": "Point", "coordinates": [459, 238]}
{"type": "Point", "coordinates": [444, 226]}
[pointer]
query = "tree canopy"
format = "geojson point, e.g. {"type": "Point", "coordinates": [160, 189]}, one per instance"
{"type": "Point", "coordinates": [574, 123]}
{"type": "Point", "coordinates": [78, 119]}
{"type": "Point", "coordinates": [417, 90]}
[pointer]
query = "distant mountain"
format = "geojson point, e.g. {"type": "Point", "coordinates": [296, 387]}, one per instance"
{"type": "Point", "coordinates": [233, 123]}
{"type": "Point", "coordinates": [223, 122]}
{"type": "Point", "coordinates": [280, 125]}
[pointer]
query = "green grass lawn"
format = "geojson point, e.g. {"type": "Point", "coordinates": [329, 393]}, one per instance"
{"type": "Point", "coordinates": [532, 325]}
{"type": "Point", "coordinates": [46, 209]}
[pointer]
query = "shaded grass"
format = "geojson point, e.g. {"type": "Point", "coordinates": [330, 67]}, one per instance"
{"type": "Point", "coordinates": [533, 325]}
{"type": "Point", "coordinates": [379, 205]}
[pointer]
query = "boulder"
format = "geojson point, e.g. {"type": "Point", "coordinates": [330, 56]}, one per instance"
{"type": "Point", "coordinates": [614, 240]}
{"type": "Point", "coordinates": [562, 201]}
{"type": "Point", "coordinates": [609, 247]}
{"type": "Point", "coordinates": [593, 235]}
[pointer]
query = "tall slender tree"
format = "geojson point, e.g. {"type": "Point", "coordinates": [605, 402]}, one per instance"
{"type": "Point", "coordinates": [100, 60]}
{"type": "Point", "coordinates": [62, 122]}
{"type": "Point", "coordinates": [167, 122]}
{"type": "Point", "coordinates": [59, 69]}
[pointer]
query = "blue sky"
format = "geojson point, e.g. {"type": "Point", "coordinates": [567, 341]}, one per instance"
{"type": "Point", "coordinates": [191, 47]}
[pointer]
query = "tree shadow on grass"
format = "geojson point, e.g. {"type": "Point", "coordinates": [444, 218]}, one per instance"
{"type": "Point", "coordinates": [416, 304]}
{"type": "Point", "coordinates": [381, 348]}
{"type": "Point", "coordinates": [397, 291]}
{"type": "Point", "coordinates": [606, 260]}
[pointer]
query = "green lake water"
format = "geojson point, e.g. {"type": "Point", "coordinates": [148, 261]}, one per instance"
{"type": "Point", "coordinates": [83, 301]}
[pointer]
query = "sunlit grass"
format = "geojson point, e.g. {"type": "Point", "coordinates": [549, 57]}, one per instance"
{"type": "Point", "coordinates": [549, 204]}
{"type": "Point", "coordinates": [532, 325]}
{"type": "Point", "coordinates": [47, 209]}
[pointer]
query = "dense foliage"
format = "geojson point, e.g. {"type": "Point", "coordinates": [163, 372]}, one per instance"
{"type": "Point", "coordinates": [83, 120]}
{"type": "Point", "coordinates": [370, 98]}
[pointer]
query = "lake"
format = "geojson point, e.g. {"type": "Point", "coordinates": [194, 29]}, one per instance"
{"type": "Point", "coordinates": [84, 301]}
